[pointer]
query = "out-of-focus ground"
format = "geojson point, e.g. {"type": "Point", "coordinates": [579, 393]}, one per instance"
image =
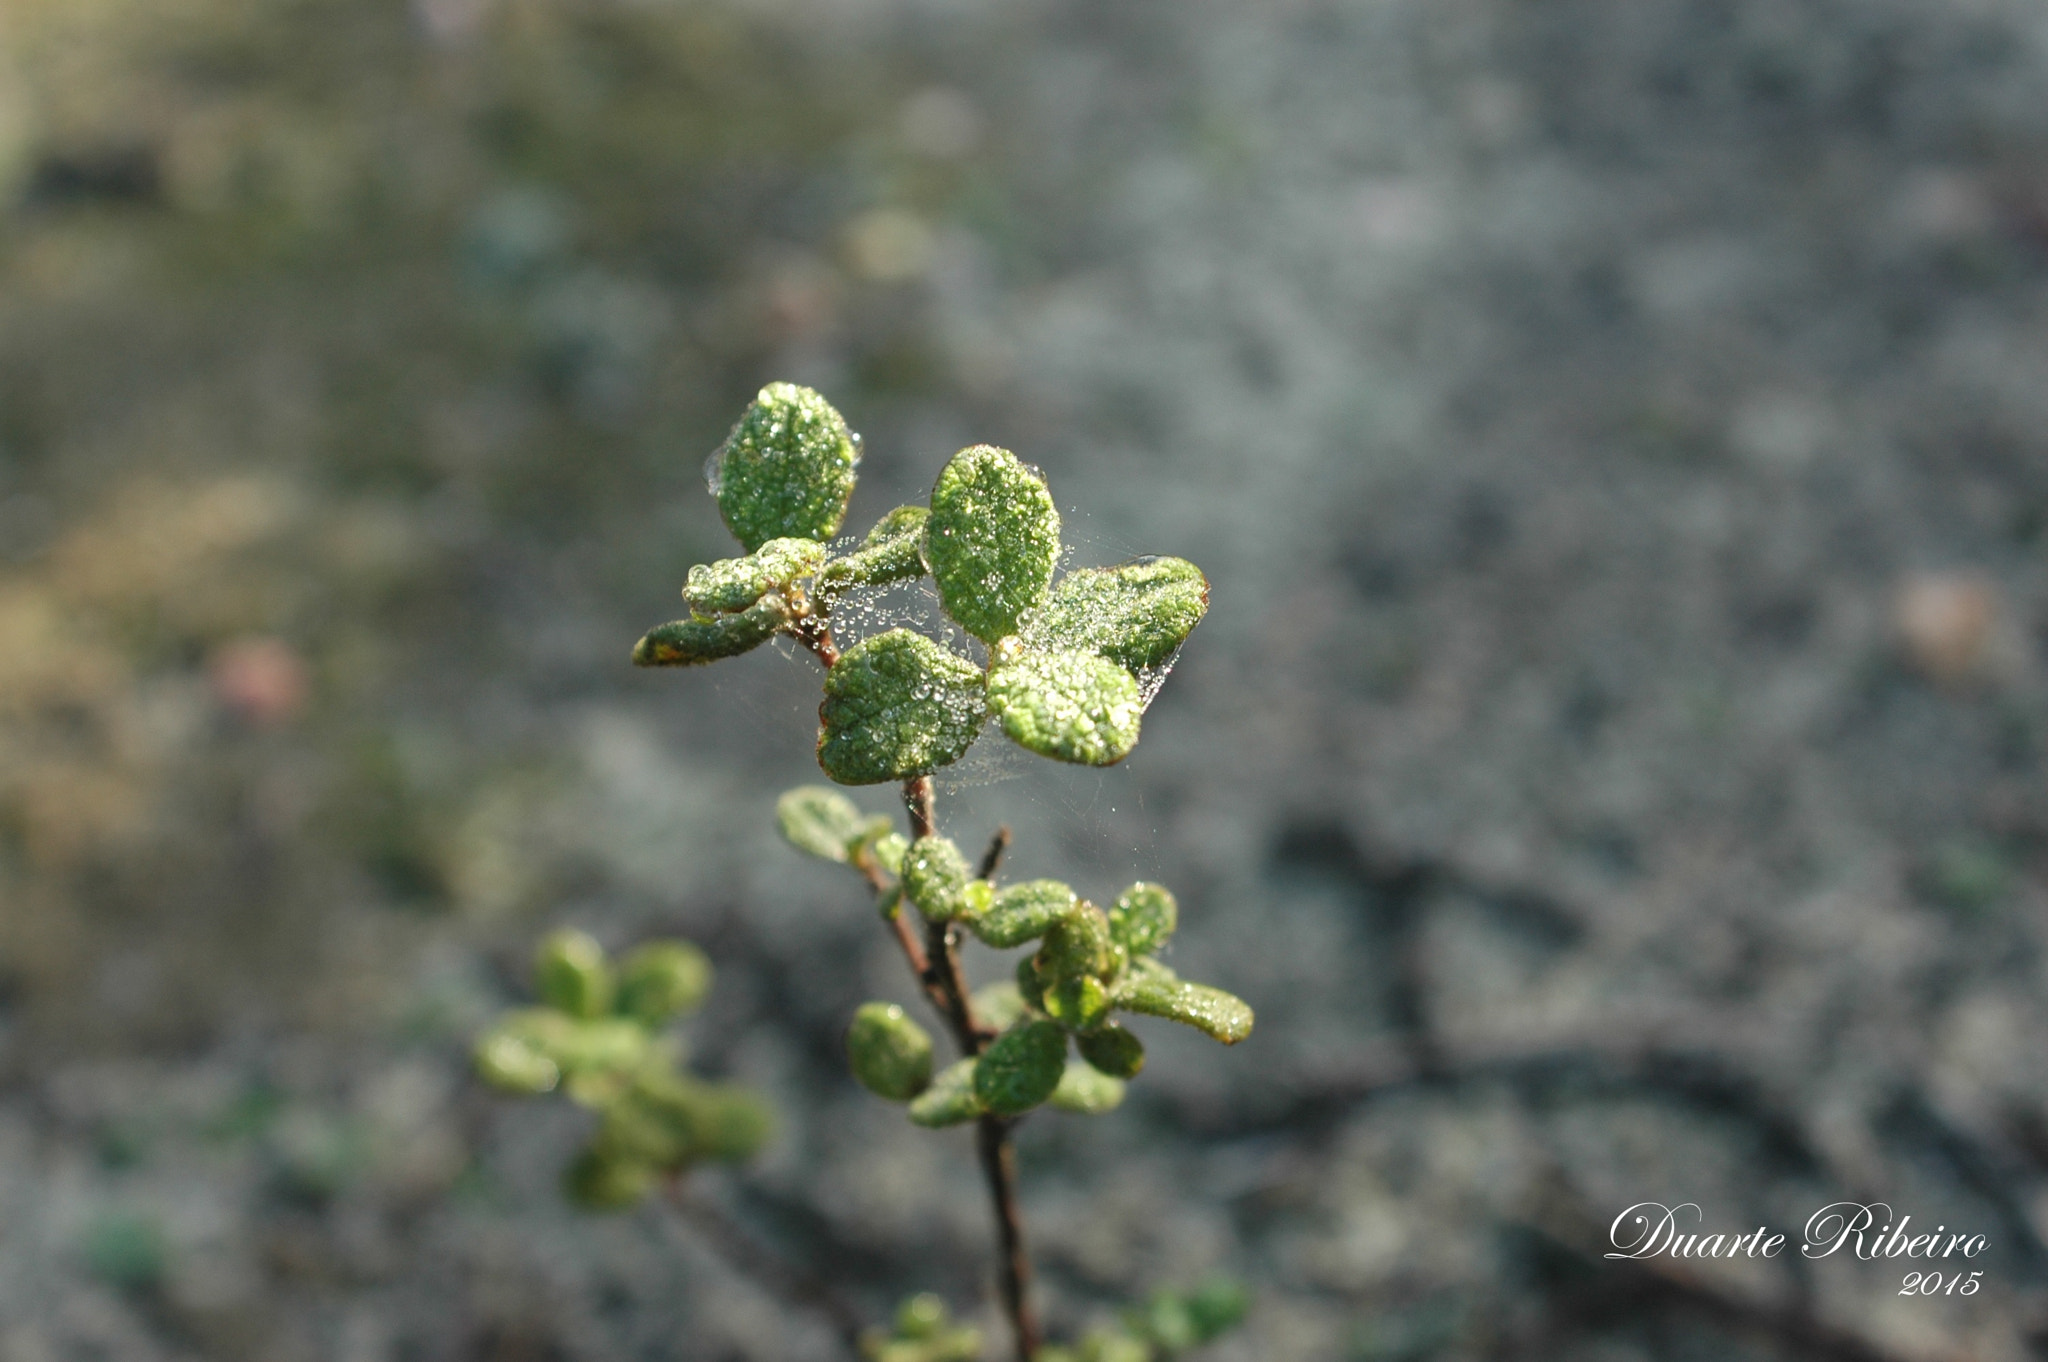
{"type": "Point", "coordinates": [1613, 764]}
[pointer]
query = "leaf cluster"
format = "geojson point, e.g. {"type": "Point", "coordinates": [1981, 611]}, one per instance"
{"type": "Point", "coordinates": [1090, 964]}
{"type": "Point", "coordinates": [1167, 1325]}
{"type": "Point", "coordinates": [1064, 664]}
{"type": "Point", "coordinates": [600, 1037]}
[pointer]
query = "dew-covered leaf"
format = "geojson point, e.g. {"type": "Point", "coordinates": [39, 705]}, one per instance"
{"type": "Point", "coordinates": [1086, 1090]}
{"type": "Point", "coordinates": [1143, 918]}
{"type": "Point", "coordinates": [950, 1099]}
{"type": "Point", "coordinates": [691, 642]}
{"type": "Point", "coordinates": [1077, 943]}
{"type": "Point", "coordinates": [1113, 1050]}
{"type": "Point", "coordinates": [892, 552]}
{"type": "Point", "coordinates": [891, 1054]}
{"type": "Point", "coordinates": [730, 585]}
{"type": "Point", "coordinates": [1022, 912]}
{"type": "Point", "coordinates": [1136, 614]}
{"type": "Point", "coordinates": [935, 877]}
{"type": "Point", "coordinates": [897, 705]}
{"type": "Point", "coordinates": [787, 468]}
{"type": "Point", "coordinates": [570, 973]}
{"type": "Point", "coordinates": [991, 541]}
{"type": "Point", "coordinates": [1021, 1067]}
{"type": "Point", "coordinates": [1078, 1003]}
{"type": "Point", "coordinates": [819, 820]}
{"type": "Point", "coordinates": [661, 980]}
{"type": "Point", "coordinates": [1071, 706]}
{"type": "Point", "coordinates": [1157, 993]}
{"type": "Point", "coordinates": [889, 850]}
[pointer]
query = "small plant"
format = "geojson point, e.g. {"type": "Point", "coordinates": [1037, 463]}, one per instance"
{"type": "Point", "coordinates": [1065, 668]}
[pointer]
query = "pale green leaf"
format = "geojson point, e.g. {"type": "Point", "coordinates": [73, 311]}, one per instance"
{"type": "Point", "coordinates": [819, 820]}
{"type": "Point", "coordinates": [935, 877]}
{"type": "Point", "coordinates": [570, 973]}
{"type": "Point", "coordinates": [1157, 993]}
{"type": "Point", "coordinates": [950, 1099]}
{"type": "Point", "coordinates": [662, 980]}
{"type": "Point", "coordinates": [892, 552]}
{"type": "Point", "coordinates": [1086, 1090]}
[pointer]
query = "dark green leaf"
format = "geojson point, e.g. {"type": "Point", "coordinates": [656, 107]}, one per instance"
{"type": "Point", "coordinates": [1143, 918]}
{"type": "Point", "coordinates": [598, 1182]}
{"type": "Point", "coordinates": [1070, 706]}
{"type": "Point", "coordinates": [1136, 615]}
{"type": "Point", "coordinates": [787, 468]}
{"type": "Point", "coordinates": [1077, 944]}
{"type": "Point", "coordinates": [1022, 912]}
{"type": "Point", "coordinates": [890, 1053]}
{"type": "Point", "coordinates": [897, 705]}
{"type": "Point", "coordinates": [730, 585]}
{"type": "Point", "coordinates": [1113, 1050]}
{"type": "Point", "coordinates": [692, 642]}
{"type": "Point", "coordinates": [1021, 1067]}
{"type": "Point", "coordinates": [991, 541]}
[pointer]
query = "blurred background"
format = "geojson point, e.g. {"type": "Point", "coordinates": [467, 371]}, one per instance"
{"type": "Point", "coordinates": [1612, 765]}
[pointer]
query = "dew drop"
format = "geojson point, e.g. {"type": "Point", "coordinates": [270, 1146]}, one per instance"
{"type": "Point", "coordinates": [714, 471]}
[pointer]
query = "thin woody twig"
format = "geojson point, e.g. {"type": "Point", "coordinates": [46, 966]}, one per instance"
{"type": "Point", "coordinates": [993, 857]}
{"type": "Point", "coordinates": [947, 983]}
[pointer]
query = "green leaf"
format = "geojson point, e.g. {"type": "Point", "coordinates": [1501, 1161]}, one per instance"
{"type": "Point", "coordinates": [1022, 912]}
{"type": "Point", "coordinates": [991, 541]}
{"type": "Point", "coordinates": [897, 705]}
{"type": "Point", "coordinates": [890, 1053]}
{"type": "Point", "coordinates": [516, 1063]}
{"type": "Point", "coordinates": [935, 878]}
{"type": "Point", "coordinates": [731, 1123]}
{"type": "Point", "coordinates": [1071, 706]}
{"type": "Point", "coordinates": [787, 468]}
{"type": "Point", "coordinates": [1137, 615]}
{"type": "Point", "coordinates": [892, 552]}
{"type": "Point", "coordinates": [1086, 1090]}
{"type": "Point", "coordinates": [819, 820]}
{"type": "Point", "coordinates": [1216, 1307]}
{"type": "Point", "coordinates": [730, 585]}
{"type": "Point", "coordinates": [950, 1099]}
{"type": "Point", "coordinates": [599, 1182]}
{"type": "Point", "coordinates": [693, 642]}
{"type": "Point", "coordinates": [1077, 944]}
{"type": "Point", "coordinates": [1000, 1004]}
{"type": "Point", "coordinates": [1143, 918]}
{"type": "Point", "coordinates": [1079, 1003]}
{"type": "Point", "coordinates": [1113, 1050]}
{"type": "Point", "coordinates": [890, 849]}
{"type": "Point", "coordinates": [1021, 1067]}
{"type": "Point", "coordinates": [1030, 986]}
{"type": "Point", "coordinates": [661, 980]}
{"type": "Point", "coordinates": [570, 973]}
{"type": "Point", "coordinates": [1157, 993]}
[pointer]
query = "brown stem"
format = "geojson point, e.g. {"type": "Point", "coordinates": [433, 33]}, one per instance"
{"type": "Point", "coordinates": [999, 1166]}
{"type": "Point", "coordinates": [780, 1278]}
{"type": "Point", "coordinates": [946, 983]}
{"type": "Point", "coordinates": [993, 857]}
{"type": "Point", "coordinates": [815, 633]}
